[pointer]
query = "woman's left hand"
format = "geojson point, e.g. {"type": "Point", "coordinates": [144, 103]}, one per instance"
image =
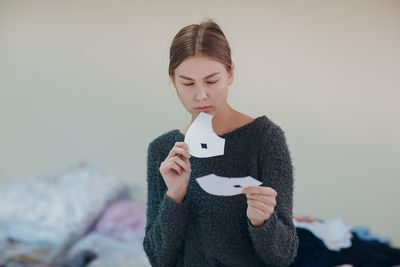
{"type": "Point", "coordinates": [261, 202]}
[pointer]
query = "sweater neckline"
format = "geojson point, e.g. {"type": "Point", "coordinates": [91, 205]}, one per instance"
{"type": "Point", "coordinates": [243, 127]}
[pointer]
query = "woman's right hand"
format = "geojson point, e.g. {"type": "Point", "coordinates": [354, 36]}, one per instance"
{"type": "Point", "coordinates": [175, 170]}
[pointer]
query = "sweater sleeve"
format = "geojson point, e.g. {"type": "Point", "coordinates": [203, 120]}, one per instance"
{"type": "Point", "coordinates": [166, 219]}
{"type": "Point", "coordinates": [276, 241]}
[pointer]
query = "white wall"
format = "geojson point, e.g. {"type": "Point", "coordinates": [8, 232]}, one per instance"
{"type": "Point", "coordinates": [89, 81]}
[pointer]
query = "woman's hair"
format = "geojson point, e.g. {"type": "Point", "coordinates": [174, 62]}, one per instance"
{"type": "Point", "coordinates": [204, 39]}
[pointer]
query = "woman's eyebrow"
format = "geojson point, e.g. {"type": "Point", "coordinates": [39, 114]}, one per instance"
{"type": "Point", "coordinates": [208, 76]}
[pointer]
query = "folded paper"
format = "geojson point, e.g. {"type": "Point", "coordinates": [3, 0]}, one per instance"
{"type": "Point", "coordinates": [225, 186]}
{"type": "Point", "coordinates": [203, 142]}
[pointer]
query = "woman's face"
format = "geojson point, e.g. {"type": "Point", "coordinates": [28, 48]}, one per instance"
{"type": "Point", "coordinates": [202, 85]}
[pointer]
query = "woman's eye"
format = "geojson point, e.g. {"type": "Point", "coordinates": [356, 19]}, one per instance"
{"type": "Point", "coordinates": [189, 84]}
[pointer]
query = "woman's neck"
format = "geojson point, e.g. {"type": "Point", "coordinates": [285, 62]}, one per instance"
{"type": "Point", "coordinates": [224, 121]}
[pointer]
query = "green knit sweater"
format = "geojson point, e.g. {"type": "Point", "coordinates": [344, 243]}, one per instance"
{"type": "Point", "coordinates": [210, 230]}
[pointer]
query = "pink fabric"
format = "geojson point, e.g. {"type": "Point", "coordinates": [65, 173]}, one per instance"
{"type": "Point", "coordinates": [123, 220]}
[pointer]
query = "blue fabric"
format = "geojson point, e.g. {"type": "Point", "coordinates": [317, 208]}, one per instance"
{"type": "Point", "coordinates": [364, 233]}
{"type": "Point", "coordinates": [313, 252]}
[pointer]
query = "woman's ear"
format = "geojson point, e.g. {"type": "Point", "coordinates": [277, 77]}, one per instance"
{"type": "Point", "coordinates": [231, 74]}
{"type": "Point", "coordinates": [173, 81]}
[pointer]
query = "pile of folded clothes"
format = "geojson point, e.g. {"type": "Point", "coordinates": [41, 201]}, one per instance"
{"type": "Point", "coordinates": [332, 243]}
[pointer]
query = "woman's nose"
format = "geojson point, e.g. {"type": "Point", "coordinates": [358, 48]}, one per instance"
{"type": "Point", "coordinates": [201, 94]}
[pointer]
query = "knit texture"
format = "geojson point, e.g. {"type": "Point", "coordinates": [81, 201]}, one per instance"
{"type": "Point", "coordinates": [210, 230]}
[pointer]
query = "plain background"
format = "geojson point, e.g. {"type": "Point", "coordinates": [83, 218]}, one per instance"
{"type": "Point", "coordinates": [88, 80]}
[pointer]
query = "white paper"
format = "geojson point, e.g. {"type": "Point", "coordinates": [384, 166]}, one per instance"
{"type": "Point", "coordinates": [225, 186]}
{"type": "Point", "coordinates": [203, 142]}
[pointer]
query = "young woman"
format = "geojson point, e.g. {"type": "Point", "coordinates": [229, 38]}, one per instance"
{"type": "Point", "coordinates": [186, 226]}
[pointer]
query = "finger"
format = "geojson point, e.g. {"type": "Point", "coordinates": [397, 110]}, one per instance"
{"type": "Point", "coordinates": [182, 145]}
{"type": "Point", "coordinates": [187, 162]}
{"type": "Point", "coordinates": [256, 214]}
{"type": "Point", "coordinates": [178, 151]}
{"type": "Point", "coordinates": [185, 146]}
{"type": "Point", "coordinates": [175, 167]}
{"type": "Point", "coordinates": [261, 206]}
{"type": "Point", "coordinates": [181, 163]}
{"type": "Point", "coordinates": [169, 165]}
{"type": "Point", "coordinates": [268, 200]}
{"type": "Point", "coordinates": [263, 190]}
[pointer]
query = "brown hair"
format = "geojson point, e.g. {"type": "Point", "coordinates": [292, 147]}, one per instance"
{"type": "Point", "coordinates": [204, 39]}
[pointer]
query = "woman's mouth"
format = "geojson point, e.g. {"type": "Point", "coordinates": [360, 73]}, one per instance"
{"type": "Point", "coordinates": [203, 109]}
